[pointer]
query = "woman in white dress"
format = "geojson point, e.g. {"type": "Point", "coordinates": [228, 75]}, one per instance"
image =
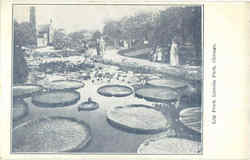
{"type": "Point", "coordinates": [174, 55]}
{"type": "Point", "coordinates": [102, 46]}
{"type": "Point", "coordinates": [158, 54]}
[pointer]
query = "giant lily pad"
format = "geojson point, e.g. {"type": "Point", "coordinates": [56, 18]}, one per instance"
{"type": "Point", "coordinates": [191, 118]}
{"type": "Point", "coordinates": [115, 90]}
{"type": "Point", "coordinates": [157, 94]}
{"type": "Point", "coordinates": [169, 145]}
{"type": "Point", "coordinates": [52, 134]}
{"type": "Point", "coordinates": [173, 84]}
{"type": "Point", "coordinates": [26, 90]}
{"type": "Point", "coordinates": [137, 118]}
{"type": "Point", "coordinates": [20, 109]}
{"type": "Point", "coordinates": [65, 85]}
{"type": "Point", "coordinates": [56, 98]}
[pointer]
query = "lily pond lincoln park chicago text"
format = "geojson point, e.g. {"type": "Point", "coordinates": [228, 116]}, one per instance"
{"type": "Point", "coordinates": [107, 79]}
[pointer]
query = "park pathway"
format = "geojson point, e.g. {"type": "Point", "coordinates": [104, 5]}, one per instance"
{"type": "Point", "coordinates": [184, 72]}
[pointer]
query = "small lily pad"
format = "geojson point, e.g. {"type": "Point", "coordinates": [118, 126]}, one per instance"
{"type": "Point", "coordinates": [88, 106]}
{"type": "Point", "coordinates": [58, 98]}
{"type": "Point", "coordinates": [65, 85]}
{"type": "Point", "coordinates": [115, 90]}
{"type": "Point", "coordinates": [157, 94]}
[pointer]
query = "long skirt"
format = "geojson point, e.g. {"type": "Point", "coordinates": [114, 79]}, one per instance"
{"type": "Point", "coordinates": [174, 57]}
{"type": "Point", "coordinates": [102, 49]}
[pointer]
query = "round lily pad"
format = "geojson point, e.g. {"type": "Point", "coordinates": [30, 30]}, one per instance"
{"type": "Point", "coordinates": [169, 145]}
{"type": "Point", "coordinates": [137, 118]}
{"type": "Point", "coordinates": [115, 90]}
{"type": "Point", "coordinates": [173, 84]}
{"type": "Point", "coordinates": [157, 94]}
{"type": "Point", "coordinates": [20, 109]}
{"type": "Point", "coordinates": [59, 98]}
{"type": "Point", "coordinates": [52, 134]}
{"type": "Point", "coordinates": [191, 118]}
{"type": "Point", "coordinates": [65, 85]}
{"type": "Point", "coordinates": [26, 90]}
{"type": "Point", "coordinates": [88, 106]}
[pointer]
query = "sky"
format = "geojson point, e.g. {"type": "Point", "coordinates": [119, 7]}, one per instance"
{"type": "Point", "coordinates": [77, 17]}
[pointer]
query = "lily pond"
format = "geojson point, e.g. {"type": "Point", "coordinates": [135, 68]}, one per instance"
{"type": "Point", "coordinates": [81, 105]}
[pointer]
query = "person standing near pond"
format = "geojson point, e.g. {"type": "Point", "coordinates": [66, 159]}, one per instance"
{"type": "Point", "coordinates": [98, 46]}
{"type": "Point", "coordinates": [174, 53]}
{"type": "Point", "coordinates": [102, 46]}
{"type": "Point", "coordinates": [159, 54]}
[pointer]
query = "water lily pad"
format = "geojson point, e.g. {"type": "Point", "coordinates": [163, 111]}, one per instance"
{"type": "Point", "coordinates": [52, 134]}
{"type": "Point", "coordinates": [65, 85]}
{"type": "Point", "coordinates": [88, 106]}
{"type": "Point", "coordinates": [137, 118]}
{"type": "Point", "coordinates": [173, 84]}
{"type": "Point", "coordinates": [157, 94]}
{"type": "Point", "coordinates": [26, 90]}
{"type": "Point", "coordinates": [115, 90]}
{"type": "Point", "coordinates": [56, 98]}
{"type": "Point", "coordinates": [20, 109]}
{"type": "Point", "coordinates": [169, 145]}
{"type": "Point", "coordinates": [191, 118]}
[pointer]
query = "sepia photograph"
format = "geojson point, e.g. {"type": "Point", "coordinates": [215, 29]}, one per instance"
{"type": "Point", "coordinates": [107, 79]}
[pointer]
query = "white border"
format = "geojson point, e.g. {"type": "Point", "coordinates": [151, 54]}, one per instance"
{"type": "Point", "coordinates": [224, 24]}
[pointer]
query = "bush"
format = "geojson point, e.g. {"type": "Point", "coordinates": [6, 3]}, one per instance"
{"type": "Point", "coordinates": [20, 68]}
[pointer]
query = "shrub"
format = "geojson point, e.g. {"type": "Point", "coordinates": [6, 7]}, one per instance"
{"type": "Point", "coordinates": [20, 68]}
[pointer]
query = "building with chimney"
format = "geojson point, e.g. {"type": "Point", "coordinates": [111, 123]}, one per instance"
{"type": "Point", "coordinates": [44, 32]}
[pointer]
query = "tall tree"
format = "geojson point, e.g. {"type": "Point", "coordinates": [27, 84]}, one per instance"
{"type": "Point", "coordinates": [59, 41]}
{"type": "Point", "coordinates": [96, 35]}
{"type": "Point", "coordinates": [23, 34]}
{"type": "Point", "coordinates": [112, 30]}
{"type": "Point", "coordinates": [196, 21]}
{"type": "Point", "coordinates": [20, 68]}
{"type": "Point", "coordinates": [77, 39]}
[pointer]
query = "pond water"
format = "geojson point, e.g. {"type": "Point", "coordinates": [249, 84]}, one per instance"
{"type": "Point", "coordinates": [105, 138]}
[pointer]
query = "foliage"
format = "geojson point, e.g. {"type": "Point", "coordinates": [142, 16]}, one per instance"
{"type": "Point", "coordinates": [96, 35]}
{"type": "Point", "coordinates": [20, 68]}
{"type": "Point", "coordinates": [159, 28]}
{"type": "Point", "coordinates": [24, 34]}
{"type": "Point", "coordinates": [112, 29]}
{"type": "Point", "coordinates": [61, 67]}
{"type": "Point", "coordinates": [196, 21]}
{"type": "Point", "coordinates": [59, 41]}
{"type": "Point", "coordinates": [77, 40]}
